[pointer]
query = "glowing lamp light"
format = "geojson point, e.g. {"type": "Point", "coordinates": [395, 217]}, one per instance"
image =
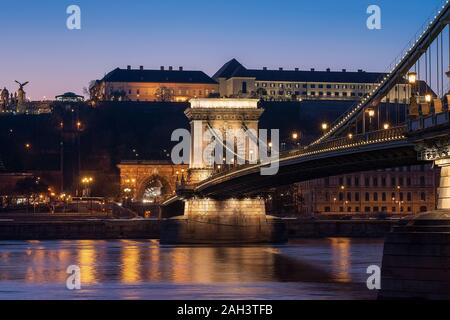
{"type": "Point", "coordinates": [428, 97]}
{"type": "Point", "coordinates": [371, 113]}
{"type": "Point", "coordinates": [412, 77]}
{"type": "Point", "coordinates": [386, 126]}
{"type": "Point", "coordinates": [324, 126]}
{"type": "Point", "coordinates": [295, 136]}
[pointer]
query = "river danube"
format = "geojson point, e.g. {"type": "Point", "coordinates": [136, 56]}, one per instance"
{"type": "Point", "coordinates": [302, 269]}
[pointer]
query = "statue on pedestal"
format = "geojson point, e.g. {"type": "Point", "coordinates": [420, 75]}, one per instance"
{"type": "Point", "coordinates": [4, 99]}
{"type": "Point", "coordinates": [21, 96]}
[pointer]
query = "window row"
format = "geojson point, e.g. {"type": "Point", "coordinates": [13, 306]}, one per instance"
{"type": "Point", "coordinates": [394, 182]}
{"type": "Point", "coordinates": [375, 196]}
{"type": "Point", "coordinates": [313, 86]}
{"type": "Point", "coordinates": [397, 209]}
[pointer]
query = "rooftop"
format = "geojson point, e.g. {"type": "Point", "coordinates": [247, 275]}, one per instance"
{"type": "Point", "coordinates": [234, 68]}
{"type": "Point", "coordinates": [158, 76]}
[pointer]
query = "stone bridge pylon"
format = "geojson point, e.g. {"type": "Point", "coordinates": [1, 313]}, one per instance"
{"type": "Point", "coordinates": [226, 220]}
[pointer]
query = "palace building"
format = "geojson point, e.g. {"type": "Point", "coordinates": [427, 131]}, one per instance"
{"type": "Point", "coordinates": [235, 80]}
{"type": "Point", "coordinates": [153, 85]}
{"type": "Point", "coordinates": [403, 190]}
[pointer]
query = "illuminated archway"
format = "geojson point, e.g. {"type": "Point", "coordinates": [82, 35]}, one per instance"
{"type": "Point", "coordinates": [154, 190]}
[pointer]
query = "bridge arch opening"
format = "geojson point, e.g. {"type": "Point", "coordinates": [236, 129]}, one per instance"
{"type": "Point", "coordinates": [154, 190]}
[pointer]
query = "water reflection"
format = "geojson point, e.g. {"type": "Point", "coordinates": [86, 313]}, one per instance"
{"type": "Point", "coordinates": [309, 267]}
{"type": "Point", "coordinates": [341, 259]}
{"type": "Point", "coordinates": [88, 253]}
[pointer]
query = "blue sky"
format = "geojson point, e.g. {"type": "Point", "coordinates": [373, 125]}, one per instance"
{"type": "Point", "coordinates": [196, 34]}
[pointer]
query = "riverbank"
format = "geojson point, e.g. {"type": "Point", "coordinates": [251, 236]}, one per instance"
{"type": "Point", "coordinates": [79, 230]}
{"type": "Point", "coordinates": [76, 228]}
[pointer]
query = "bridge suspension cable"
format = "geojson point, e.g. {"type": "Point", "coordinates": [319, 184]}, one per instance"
{"type": "Point", "coordinates": [409, 57]}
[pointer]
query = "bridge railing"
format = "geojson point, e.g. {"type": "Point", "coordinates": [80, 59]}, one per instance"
{"type": "Point", "coordinates": [379, 136]}
{"type": "Point", "coordinates": [351, 141]}
{"type": "Point", "coordinates": [429, 121]}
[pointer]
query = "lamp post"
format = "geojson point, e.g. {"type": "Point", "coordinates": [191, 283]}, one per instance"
{"type": "Point", "coordinates": [371, 113]}
{"type": "Point", "coordinates": [295, 138]}
{"type": "Point", "coordinates": [413, 106]}
{"type": "Point", "coordinates": [87, 182]}
{"type": "Point", "coordinates": [342, 188]}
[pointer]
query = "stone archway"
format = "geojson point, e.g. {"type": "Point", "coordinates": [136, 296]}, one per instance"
{"type": "Point", "coordinates": [137, 176]}
{"type": "Point", "coordinates": [153, 190]}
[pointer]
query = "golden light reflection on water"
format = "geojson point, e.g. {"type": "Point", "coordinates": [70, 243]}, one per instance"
{"type": "Point", "coordinates": [219, 264]}
{"type": "Point", "coordinates": [87, 254]}
{"type": "Point", "coordinates": [341, 259]}
{"type": "Point", "coordinates": [130, 262]}
{"type": "Point", "coordinates": [47, 265]}
{"type": "Point", "coordinates": [135, 262]}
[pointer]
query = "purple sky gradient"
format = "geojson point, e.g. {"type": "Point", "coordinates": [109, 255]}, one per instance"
{"type": "Point", "coordinates": [198, 34]}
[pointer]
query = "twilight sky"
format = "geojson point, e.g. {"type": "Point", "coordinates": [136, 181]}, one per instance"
{"type": "Point", "coordinates": [36, 46]}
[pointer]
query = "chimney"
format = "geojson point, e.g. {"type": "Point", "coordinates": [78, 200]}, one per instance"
{"type": "Point", "coordinates": [141, 68]}
{"type": "Point", "coordinates": [328, 70]}
{"type": "Point", "coordinates": [162, 68]}
{"type": "Point", "coordinates": [344, 70]}
{"type": "Point", "coordinates": [128, 67]}
{"type": "Point", "coordinates": [281, 69]}
{"type": "Point", "coordinates": [312, 69]}
{"type": "Point", "coordinates": [296, 69]}
{"type": "Point", "coordinates": [265, 68]}
{"type": "Point", "coordinates": [181, 68]}
{"type": "Point", "coordinates": [170, 68]}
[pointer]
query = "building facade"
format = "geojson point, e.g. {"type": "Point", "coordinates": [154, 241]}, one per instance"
{"type": "Point", "coordinates": [153, 85]}
{"type": "Point", "coordinates": [404, 190]}
{"type": "Point", "coordinates": [150, 181]}
{"type": "Point", "coordinates": [235, 80]}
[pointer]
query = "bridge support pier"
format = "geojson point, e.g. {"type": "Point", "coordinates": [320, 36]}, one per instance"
{"type": "Point", "coordinates": [232, 221]}
{"type": "Point", "coordinates": [416, 260]}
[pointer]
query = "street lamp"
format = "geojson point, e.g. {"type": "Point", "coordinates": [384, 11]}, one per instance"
{"type": "Point", "coordinates": [87, 181]}
{"type": "Point", "coordinates": [412, 78]}
{"type": "Point", "coordinates": [386, 126]}
{"type": "Point", "coordinates": [371, 113]}
{"type": "Point", "coordinates": [325, 126]}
